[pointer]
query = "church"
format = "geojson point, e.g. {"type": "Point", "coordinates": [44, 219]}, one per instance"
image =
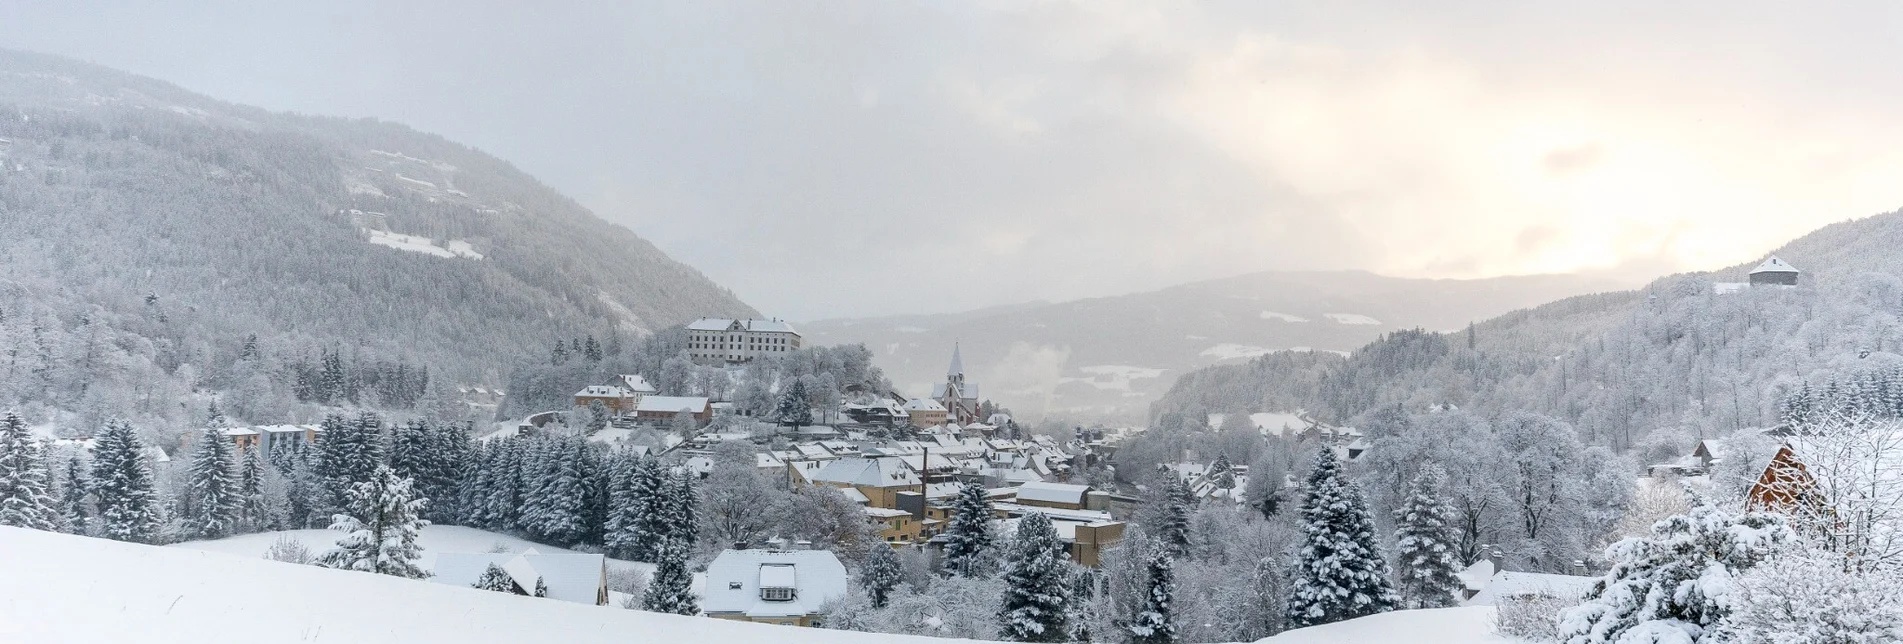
{"type": "Point", "coordinates": [959, 397]}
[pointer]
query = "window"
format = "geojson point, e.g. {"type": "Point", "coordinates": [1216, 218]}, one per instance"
{"type": "Point", "coordinates": [776, 594]}
{"type": "Point", "coordinates": [733, 585]}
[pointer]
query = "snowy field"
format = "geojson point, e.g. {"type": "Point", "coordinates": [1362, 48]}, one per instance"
{"type": "Point", "coordinates": [1469, 625]}
{"type": "Point", "coordinates": [1352, 318]}
{"type": "Point", "coordinates": [1285, 317]}
{"type": "Point", "coordinates": [418, 244]}
{"type": "Point", "coordinates": [1231, 351]}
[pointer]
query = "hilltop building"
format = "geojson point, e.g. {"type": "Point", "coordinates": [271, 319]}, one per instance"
{"type": "Point", "coordinates": [1774, 271]}
{"type": "Point", "coordinates": [730, 341]}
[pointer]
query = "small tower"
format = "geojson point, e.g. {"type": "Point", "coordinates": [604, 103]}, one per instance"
{"type": "Point", "coordinates": [955, 374]}
{"type": "Point", "coordinates": [1774, 272]}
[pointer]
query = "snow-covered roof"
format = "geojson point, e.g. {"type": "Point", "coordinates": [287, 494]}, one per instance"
{"type": "Point", "coordinates": [815, 451]}
{"type": "Point", "coordinates": [923, 404]}
{"type": "Point", "coordinates": [238, 431]}
{"type": "Point", "coordinates": [604, 391]}
{"type": "Point", "coordinates": [1511, 584]}
{"type": "Point", "coordinates": [886, 513]}
{"type": "Point", "coordinates": [1053, 492]}
{"type": "Point", "coordinates": [969, 391]}
{"type": "Point", "coordinates": [570, 577]}
{"type": "Point", "coordinates": [735, 577]}
{"type": "Point", "coordinates": [1056, 514]}
{"type": "Point", "coordinates": [635, 383]}
{"type": "Point", "coordinates": [756, 326]}
{"type": "Point", "coordinates": [672, 404]}
{"type": "Point", "coordinates": [855, 495]}
{"type": "Point", "coordinates": [1774, 265]}
{"type": "Point", "coordinates": [283, 429]}
{"type": "Point", "coordinates": [869, 472]}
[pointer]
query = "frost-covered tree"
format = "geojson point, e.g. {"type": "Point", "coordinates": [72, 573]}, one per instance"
{"type": "Point", "coordinates": [1037, 587]}
{"type": "Point", "coordinates": [1339, 571]}
{"type": "Point", "coordinates": [254, 506]}
{"type": "Point", "coordinates": [795, 408]}
{"type": "Point", "coordinates": [25, 500]}
{"type": "Point", "coordinates": [1803, 597]}
{"type": "Point", "coordinates": [968, 537]}
{"type": "Point", "coordinates": [639, 517]}
{"type": "Point", "coordinates": [1674, 585]}
{"type": "Point", "coordinates": [1169, 517]}
{"type": "Point", "coordinates": [881, 574]}
{"type": "Point", "coordinates": [349, 451]}
{"type": "Point", "coordinates": [1424, 545]}
{"type": "Point", "coordinates": [1264, 490]}
{"type": "Point", "coordinates": [122, 486]}
{"type": "Point", "coordinates": [555, 508]}
{"type": "Point", "coordinates": [1155, 621]}
{"type": "Point", "coordinates": [73, 493]}
{"type": "Point", "coordinates": [671, 590]}
{"type": "Point", "coordinates": [212, 504]}
{"type": "Point", "coordinates": [1222, 474]}
{"type": "Point", "coordinates": [496, 579]}
{"type": "Point", "coordinates": [381, 528]}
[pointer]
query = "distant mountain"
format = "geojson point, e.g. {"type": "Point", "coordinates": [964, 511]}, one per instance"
{"type": "Point", "coordinates": [1110, 357]}
{"type": "Point", "coordinates": [151, 229]}
{"type": "Point", "coordinates": [1687, 356]}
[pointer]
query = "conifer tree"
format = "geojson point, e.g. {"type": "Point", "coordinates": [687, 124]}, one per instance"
{"type": "Point", "coordinates": [254, 509]}
{"type": "Point", "coordinates": [380, 528]}
{"type": "Point", "coordinates": [25, 501]}
{"type": "Point", "coordinates": [554, 508]}
{"type": "Point", "coordinates": [796, 406]}
{"type": "Point", "coordinates": [881, 574]}
{"type": "Point", "coordinates": [73, 499]}
{"type": "Point", "coordinates": [349, 451]}
{"type": "Point", "coordinates": [1222, 474]}
{"type": "Point", "coordinates": [968, 538]}
{"type": "Point", "coordinates": [1037, 590]}
{"type": "Point", "coordinates": [618, 529]}
{"type": "Point", "coordinates": [212, 503]}
{"type": "Point", "coordinates": [496, 579]}
{"type": "Point", "coordinates": [541, 586]}
{"type": "Point", "coordinates": [1425, 545]}
{"type": "Point", "coordinates": [679, 516]}
{"type": "Point", "coordinates": [1155, 621]}
{"type": "Point", "coordinates": [1677, 583]}
{"type": "Point", "coordinates": [1339, 571]}
{"type": "Point", "coordinates": [1171, 516]}
{"type": "Point", "coordinates": [122, 486]}
{"type": "Point", "coordinates": [671, 590]}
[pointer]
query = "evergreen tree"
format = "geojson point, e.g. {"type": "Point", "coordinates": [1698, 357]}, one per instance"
{"type": "Point", "coordinates": [212, 503]}
{"type": "Point", "coordinates": [122, 486]}
{"type": "Point", "coordinates": [554, 510]}
{"type": "Point", "coordinates": [796, 406]}
{"type": "Point", "coordinates": [496, 579]}
{"type": "Point", "coordinates": [1037, 590]}
{"type": "Point", "coordinates": [1339, 571]}
{"type": "Point", "coordinates": [25, 501]}
{"type": "Point", "coordinates": [1425, 544]}
{"type": "Point", "coordinates": [968, 538]}
{"type": "Point", "coordinates": [541, 586]}
{"type": "Point", "coordinates": [681, 518]}
{"type": "Point", "coordinates": [380, 529]}
{"type": "Point", "coordinates": [348, 452]}
{"type": "Point", "coordinates": [1676, 584]}
{"type": "Point", "coordinates": [254, 509]}
{"type": "Point", "coordinates": [881, 574]}
{"type": "Point", "coordinates": [597, 416]}
{"type": "Point", "coordinates": [73, 499]}
{"type": "Point", "coordinates": [672, 588]}
{"type": "Point", "coordinates": [1155, 621]}
{"type": "Point", "coordinates": [1171, 516]}
{"type": "Point", "coordinates": [620, 525]}
{"type": "Point", "coordinates": [1222, 474]}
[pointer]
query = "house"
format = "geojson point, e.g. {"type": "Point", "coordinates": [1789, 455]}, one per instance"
{"type": "Point", "coordinates": [663, 409]}
{"type": "Point", "coordinates": [956, 395]}
{"type": "Point", "coordinates": [726, 340]}
{"type": "Point", "coordinates": [579, 578]}
{"type": "Point", "coordinates": [785, 587]}
{"type": "Point", "coordinates": [243, 437]}
{"type": "Point", "coordinates": [637, 384]}
{"type": "Point", "coordinates": [925, 412]}
{"type": "Point", "coordinates": [616, 398]}
{"type": "Point", "coordinates": [1054, 495]}
{"type": "Point", "coordinates": [270, 437]}
{"type": "Point", "coordinates": [880, 479]}
{"type": "Point", "coordinates": [896, 527]}
{"type": "Point", "coordinates": [1774, 272]}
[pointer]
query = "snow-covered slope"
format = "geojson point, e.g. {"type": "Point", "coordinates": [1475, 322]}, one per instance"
{"type": "Point", "coordinates": [62, 588]}
{"type": "Point", "coordinates": [1469, 625]}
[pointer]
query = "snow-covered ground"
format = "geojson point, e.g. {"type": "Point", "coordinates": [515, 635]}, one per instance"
{"type": "Point", "coordinates": [1231, 350]}
{"type": "Point", "coordinates": [1352, 318]}
{"type": "Point", "coordinates": [1467, 625]}
{"type": "Point", "coordinates": [418, 244]}
{"type": "Point", "coordinates": [64, 588]}
{"type": "Point", "coordinates": [1285, 317]}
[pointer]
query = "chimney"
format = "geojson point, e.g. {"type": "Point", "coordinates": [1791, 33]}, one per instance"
{"type": "Point", "coordinates": [740, 545]}
{"type": "Point", "coordinates": [802, 545]}
{"type": "Point", "coordinates": [1499, 559]}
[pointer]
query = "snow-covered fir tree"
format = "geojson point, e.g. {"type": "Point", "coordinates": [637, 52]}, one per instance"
{"type": "Point", "coordinates": [1169, 518]}
{"type": "Point", "coordinates": [1676, 584]}
{"type": "Point", "coordinates": [647, 515]}
{"type": "Point", "coordinates": [496, 579]}
{"type": "Point", "coordinates": [25, 498]}
{"type": "Point", "coordinates": [881, 574]}
{"type": "Point", "coordinates": [1222, 473]}
{"type": "Point", "coordinates": [72, 499]}
{"type": "Point", "coordinates": [671, 590]}
{"type": "Point", "coordinates": [796, 406]}
{"type": "Point", "coordinates": [618, 530]}
{"type": "Point", "coordinates": [1037, 586]}
{"type": "Point", "coordinates": [1339, 571]}
{"type": "Point", "coordinates": [349, 451]}
{"type": "Point", "coordinates": [1155, 619]}
{"type": "Point", "coordinates": [554, 509]}
{"type": "Point", "coordinates": [1802, 597]}
{"type": "Point", "coordinates": [382, 523]}
{"type": "Point", "coordinates": [680, 519]}
{"type": "Point", "coordinates": [1424, 544]}
{"type": "Point", "coordinates": [212, 505]}
{"type": "Point", "coordinates": [254, 507]}
{"type": "Point", "coordinates": [968, 537]}
{"type": "Point", "coordinates": [122, 486]}
{"type": "Point", "coordinates": [432, 454]}
{"type": "Point", "coordinates": [541, 587]}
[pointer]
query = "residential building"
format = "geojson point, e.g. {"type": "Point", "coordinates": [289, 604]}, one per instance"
{"type": "Point", "coordinates": [785, 587]}
{"type": "Point", "coordinates": [896, 527]}
{"type": "Point", "coordinates": [925, 412]}
{"type": "Point", "coordinates": [579, 578]}
{"type": "Point", "coordinates": [1774, 272]}
{"type": "Point", "coordinates": [663, 409]}
{"type": "Point", "coordinates": [243, 437]}
{"type": "Point", "coordinates": [618, 399]}
{"type": "Point", "coordinates": [726, 340]}
{"type": "Point", "coordinates": [880, 479]}
{"type": "Point", "coordinates": [1054, 495]}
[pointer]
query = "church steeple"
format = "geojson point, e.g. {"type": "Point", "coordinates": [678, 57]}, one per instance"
{"type": "Point", "coordinates": [957, 369]}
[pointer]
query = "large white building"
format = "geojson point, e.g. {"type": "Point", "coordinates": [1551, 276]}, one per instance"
{"type": "Point", "coordinates": [717, 340]}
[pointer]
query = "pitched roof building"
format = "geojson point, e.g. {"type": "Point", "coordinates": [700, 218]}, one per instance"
{"type": "Point", "coordinates": [571, 577]}
{"type": "Point", "coordinates": [1774, 271]}
{"type": "Point", "coordinates": [726, 340]}
{"type": "Point", "coordinates": [959, 397]}
{"type": "Point", "coordinates": [773, 586]}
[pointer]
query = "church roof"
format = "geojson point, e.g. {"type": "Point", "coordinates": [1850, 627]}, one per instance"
{"type": "Point", "coordinates": [1774, 265]}
{"type": "Point", "coordinates": [957, 364]}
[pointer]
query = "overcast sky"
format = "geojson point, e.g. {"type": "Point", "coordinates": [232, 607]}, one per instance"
{"type": "Point", "coordinates": [827, 159]}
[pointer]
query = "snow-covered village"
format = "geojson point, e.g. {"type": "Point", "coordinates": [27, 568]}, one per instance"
{"type": "Point", "coordinates": [853, 322]}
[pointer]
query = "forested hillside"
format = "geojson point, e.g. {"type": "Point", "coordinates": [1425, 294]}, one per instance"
{"type": "Point", "coordinates": [1677, 355]}
{"type": "Point", "coordinates": [154, 243]}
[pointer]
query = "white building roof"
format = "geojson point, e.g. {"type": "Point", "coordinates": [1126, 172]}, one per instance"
{"type": "Point", "coordinates": [1510, 584]}
{"type": "Point", "coordinates": [1774, 265]}
{"type": "Point", "coordinates": [672, 404]}
{"type": "Point", "coordinates": [735, 577]}
{"type": "Point", "coordinates": [923, 404]}
{"type": "Point", "coordinates": [635, 383]}
{"type": "Point", "coordinates": [575, 578]}
{"type": "Point", "coordinates": [238, 431]}
{"type": "Point", "coordinates": [604, 391]}
{"type": "Point", "coordinates": [869, 472]}
{"type": "Point", "coordinates": [756, 326]}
